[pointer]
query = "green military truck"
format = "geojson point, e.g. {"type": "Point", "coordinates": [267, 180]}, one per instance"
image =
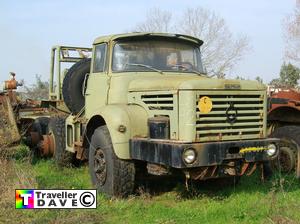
{"type": "Point", "coordinates": [142, 104]}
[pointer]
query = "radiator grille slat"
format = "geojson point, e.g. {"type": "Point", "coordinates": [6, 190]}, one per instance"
{"type": "Point", "coordinates": [240, 118]}
{"type": "Point", "coordinates": [240, 112]}
{"type": "Point", "coordinates": [228, 125]}
{"type": "Point", "coordinates": [228, 138]}
{"type": "Point", "coordinates": [231, 130]}
{"type": "Point", "coordinates": [238, 105]}
{"type": "Point", "coordinates": [234, 99]}
{"type": "Point", "coordinates": [159, 102]}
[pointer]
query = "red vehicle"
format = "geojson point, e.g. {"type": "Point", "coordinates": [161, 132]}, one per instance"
{"type": "Point", "coordinates": [284, 123]}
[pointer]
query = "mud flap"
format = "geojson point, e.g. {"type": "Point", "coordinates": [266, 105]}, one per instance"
{"type": "Point", "coordinates": [9, 132]}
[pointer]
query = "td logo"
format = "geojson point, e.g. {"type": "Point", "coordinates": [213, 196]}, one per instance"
{"type": "Point", "coordinates": [25, 199]}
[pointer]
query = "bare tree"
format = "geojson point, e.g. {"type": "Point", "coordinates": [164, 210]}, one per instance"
{"type": "Point", "coordinates": [291, 26]}
{"type": "Point", "coordinates": [156, 21]}
{"type": "Point", "coordinates": [221, 51]}
{"type": "Point", "coordinates": [38, 90]}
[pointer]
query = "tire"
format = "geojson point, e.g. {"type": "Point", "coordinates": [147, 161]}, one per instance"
{"type": "Point", "coordinates": [111, 175]}
{"type": "Point", "coordinates": [72, 85]}
{"type": "Point", "coordinates": [56, 129]}
{"type": "Point", "coordinates": [40, 125]}
{"type": "Point", "coordinates": [289, 161]}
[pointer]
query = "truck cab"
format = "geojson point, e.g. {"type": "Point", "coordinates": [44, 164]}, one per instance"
{"type": "Point", "coordinates": [148, 102]}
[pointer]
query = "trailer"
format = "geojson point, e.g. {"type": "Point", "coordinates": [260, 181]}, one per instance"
{"type": "Point", "coordinates": [28, 119]}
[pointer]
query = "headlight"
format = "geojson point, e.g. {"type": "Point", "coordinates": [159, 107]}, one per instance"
{"type": "Point", "coordinates": [189, 155]}
{"type": "Point", "coordinates": [272, 150]}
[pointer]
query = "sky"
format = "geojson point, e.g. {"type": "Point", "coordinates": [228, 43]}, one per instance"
{"type": "Point", "coordinates": [28, 30]}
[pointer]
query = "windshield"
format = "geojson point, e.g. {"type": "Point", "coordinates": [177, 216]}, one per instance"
{"type": "Point", "coordinates": [157, 55]}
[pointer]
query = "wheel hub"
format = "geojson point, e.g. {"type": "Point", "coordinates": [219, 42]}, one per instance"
{"type": "Point", "coordinates": [287, 159]}
{"type": "Point", "coordinates": [100, 166]}
{"type": "Point", "coordinates": [288, 156]}
{"type": "Point", "coordinates": [47, 145]}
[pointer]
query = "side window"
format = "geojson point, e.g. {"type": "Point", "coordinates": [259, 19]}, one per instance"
{"type": "Point", "coordinates": [99, 58]}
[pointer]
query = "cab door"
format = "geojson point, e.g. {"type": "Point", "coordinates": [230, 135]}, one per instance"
{"type": "Point", "coordinates": [98, 80]}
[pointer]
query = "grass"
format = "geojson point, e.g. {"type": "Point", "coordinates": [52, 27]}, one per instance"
{"type": "Point", "coordinates": [275, 201]}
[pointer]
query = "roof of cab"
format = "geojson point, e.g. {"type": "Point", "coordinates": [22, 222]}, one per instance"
{"type": "Point", "coordinates": [139, 34]}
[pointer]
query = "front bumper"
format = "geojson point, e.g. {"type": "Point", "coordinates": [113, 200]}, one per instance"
{"type": "Point", "coordinates": [170, 153]}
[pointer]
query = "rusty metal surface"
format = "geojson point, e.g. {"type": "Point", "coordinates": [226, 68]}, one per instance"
{"type": "Point", "coordinates": [284, 105]}
{"type": "Point", "coordinates": [35, 137]}
{"type": "Point", "coordinates": [252, 169]}
{"type": "Point", "coordinates": [224, 170]}
{"type": "Point", "coordinates": [79, 151]}
{"type": "Point", "coordinates": [47, 146]}
{"type": "Point", "coordinates": [17, 117]}
{"type": "Point", "coordinates": [244, 168]}
{"type": "Point", "coordinates": [12, 83]}
{"type": "Point", "coordinates": [286, 94]}
{"type": "Point", "coordinates": [287, 159]}
{"type": "Point", "coordinates": [158, 170]}
{"type": "Point", "coordinates": [200, 173]}
{"type": "Point", "coordinates": [8, 128]}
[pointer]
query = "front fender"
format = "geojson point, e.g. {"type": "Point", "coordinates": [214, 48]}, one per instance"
{"type": "Point", "coordinates": [290, 114]}
{"type": "Point", "coordinates": [132, 117]}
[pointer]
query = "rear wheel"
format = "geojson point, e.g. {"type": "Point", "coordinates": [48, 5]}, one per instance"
{"type": "Point", "coordinates": [289, 154]}
{"type": "Point", "coordinates": [56, 130]}
{"type": "Point", "coordinates": [40, 125]}
{"type": "Point", "coordinates": [111, 175]}
{"type": "Point", "coordinates": [38, 129]}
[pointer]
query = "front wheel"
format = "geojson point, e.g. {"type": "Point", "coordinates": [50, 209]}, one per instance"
{"type": "Point", "coordinates": [111, 175]}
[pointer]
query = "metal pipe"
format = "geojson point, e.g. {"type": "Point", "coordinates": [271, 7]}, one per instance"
{"type": "Point", "coordinates": [58, 85]}
{"type": "Point", "coordinates": [51, 86]}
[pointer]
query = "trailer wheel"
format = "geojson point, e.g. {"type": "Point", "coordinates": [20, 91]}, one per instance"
{"type": "Point", "coordinates": [39, 128]}
{"type": "Point", "coordinates": [72, 85]}
{"type": "Point", "coordinates": [112, 176]}
{"type": "Point", "coordinates": [289, 149]}
{"type": "Point", "coordinates": [56, 130]}
{"type": "Point", "coordinates": [40, 125]}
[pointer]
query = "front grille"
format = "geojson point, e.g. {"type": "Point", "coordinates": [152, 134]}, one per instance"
{"type": "Point", "coordinates": [214, 126]}
{"type": "Point", "coordinates": [159, 102]}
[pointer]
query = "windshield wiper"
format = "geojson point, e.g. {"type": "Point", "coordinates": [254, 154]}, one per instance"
{"type": "Point", "coordinates": [145, 66]}
{"type": "Point", "coordinates": [189, 69]}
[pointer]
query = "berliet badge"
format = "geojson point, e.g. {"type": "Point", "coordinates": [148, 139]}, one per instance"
{"type": "Point", "coordinates": [231, 113]}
